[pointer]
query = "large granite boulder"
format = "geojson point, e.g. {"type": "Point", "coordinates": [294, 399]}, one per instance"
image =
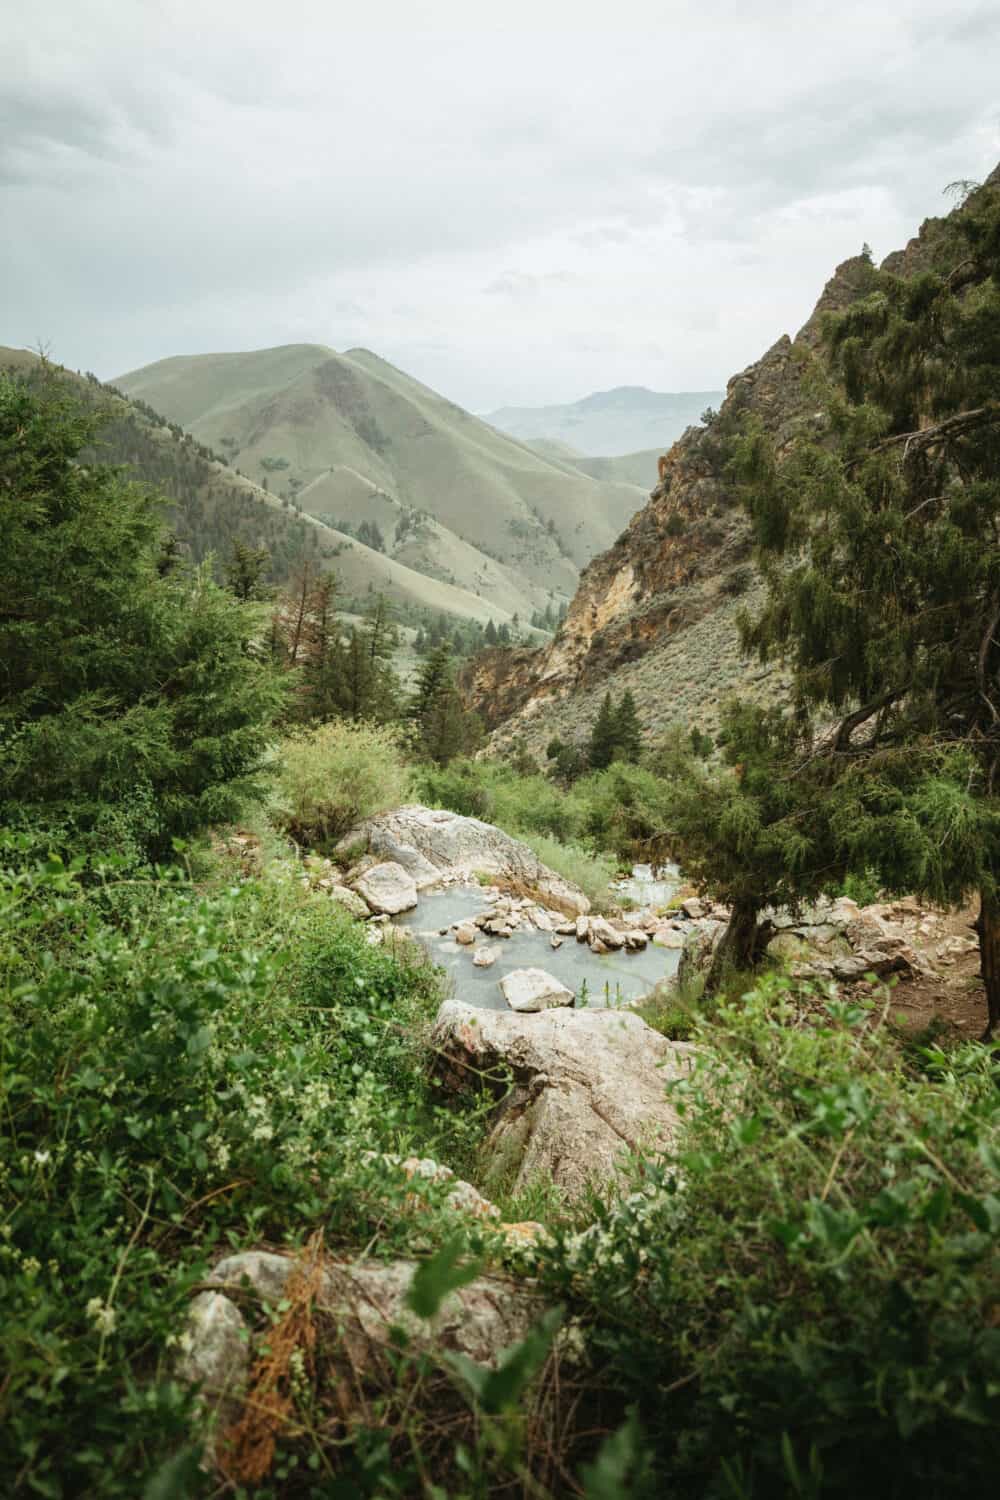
{"type": "Point", "coordinates": [589, 1088]}
{"type": "Point", "coordinates": [457, 847]}
{"type": "Point", "coordinates": [387, 888]}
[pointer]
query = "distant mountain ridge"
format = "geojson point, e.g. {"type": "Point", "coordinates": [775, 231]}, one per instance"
{"type": "Point", "coordinates": [624, 420]}
{"type": "Point", "coordinates": [350, 438]}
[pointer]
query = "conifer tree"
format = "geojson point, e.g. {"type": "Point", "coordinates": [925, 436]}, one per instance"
{"type": "Point", "coordinates": [628, 730]}
{"type": "Point", "coordinates": [603, 736]}
{"type": "Point", "coordinates": [491, 634]}
{"type": "Point", "coordinates": [882, 559]}
{"type": "Point", "coordinates": [246, 570]}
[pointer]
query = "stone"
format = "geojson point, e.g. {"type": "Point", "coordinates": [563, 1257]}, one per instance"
{"type": "Point", "coordinates": [701, 938]}
{"type": "Point", "coordinates": [566, 929]}
{"type": "Point", "coordinates": [635, 941]}
{"type": "Point", "coordinates": [388, 889]}
{"type": "Point", "coordinates": [216, 1355]}
{"type": "Point", "coordinates": [466, 933]}
{"type": "Point", "coordinates": [349, 900]}
{"type": "Point", "coordinates": [598, 946]}
{"type": "Point", "coordinates": [602, 931]}
{"type": "Point", "coordinates": [556, 941]}
{"type": "Point", "coordinates": [589, 1088]}
{"type": "Point", "coordinates": [534, 990]}
{"type": "Point", "coordinates": [694, 908]}
{"type": "Point", "coordinates": [366, 1300]}
{"type": "Point", "coordinates": [541, 919]}
{"type": "Point", "coordinates": [498, 927]}
{"type": "Point", "coordinates": [582, 929]}
{"type": "Point", "coordinates": [461, 847]}
{"type": "Point", "coordinates": [485, 957]}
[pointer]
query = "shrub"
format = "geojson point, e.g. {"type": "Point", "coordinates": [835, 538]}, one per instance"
{"type": "Point", "coordinates": [334, 776]}
{"type": "Point", "coordinates": [804, 1297]}
{"type": "Point", "coordinates": [591, 872]}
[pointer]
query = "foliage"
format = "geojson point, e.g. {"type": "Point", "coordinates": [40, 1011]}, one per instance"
{"type": "Point", "coordinates": [443, 727]}
{"type": "Point", "coordinates": [802, 1297]}
{"type": "Point", "coordinates": [333, 776]}
{"type": "Point", "coordinates": [184, 1071]}
{"type": "Point", "coordinates": [882, 560]}
{"type": "Point", "coordinates": [125, 687]}
{"type": "Point", "coordinates": [591, 871]}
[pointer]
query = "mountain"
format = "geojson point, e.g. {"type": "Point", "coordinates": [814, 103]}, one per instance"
{"type": "Point", "coordinates": [351, 438]}
{"type": "Point", "coordinates": [621, 421]}
{"type": "Point", "coordinates": [624, 468]}
{"type": "Point", "coordinates": [211, 506]}
{"type": "Point", "coordinates": [657, 612]}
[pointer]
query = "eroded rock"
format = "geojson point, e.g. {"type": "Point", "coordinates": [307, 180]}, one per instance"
{"type": "Point", "coordinates": [486, 957]}
{"type": "Point", "coordinates": [589, 1088]}
{"type": "Point", "coordinates": [349, 900]}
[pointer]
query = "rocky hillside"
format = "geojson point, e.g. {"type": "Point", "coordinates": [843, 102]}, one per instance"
{"type": "Point", "coordinates": [656, 613]}
{"type": "Point", "coordinates": [351, 438]}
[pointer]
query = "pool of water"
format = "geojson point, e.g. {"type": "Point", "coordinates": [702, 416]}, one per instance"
{"type": "Point", "coordinates": [648, 885]}
{"type": "Point", "coordinates": [612, 978]}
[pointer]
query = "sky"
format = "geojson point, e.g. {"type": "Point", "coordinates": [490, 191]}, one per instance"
{"type": "Point", "coordinates": [518, 210]}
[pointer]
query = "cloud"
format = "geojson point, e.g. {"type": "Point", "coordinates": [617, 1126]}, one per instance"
{"type": "Point", "coordinates": [514, 210]}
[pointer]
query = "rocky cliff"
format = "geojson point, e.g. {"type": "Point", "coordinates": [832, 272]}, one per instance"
{"type": "Point", "coordinates": [657, 612]}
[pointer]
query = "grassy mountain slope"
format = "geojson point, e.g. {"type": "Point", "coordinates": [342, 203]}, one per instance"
{"type": "Point", "coordinates": [212, 506]}
{"type": "Point", "coordinates": [616, 422]}
{"type": "Point", "coordinates": [624, 468]}
{"type": "Point", "coordinates": [301, 414]}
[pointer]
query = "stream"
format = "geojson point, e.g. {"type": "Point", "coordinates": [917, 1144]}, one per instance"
{"type": "Point", "coordinates": [609, 979]}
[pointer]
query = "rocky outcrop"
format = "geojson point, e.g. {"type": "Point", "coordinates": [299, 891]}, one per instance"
{"type": "Point", "coordinates": [656, 613]}
{"type": "Point", "coordinates": [460, 848]}
{"type": "Point", "coordinates": [589, 1088]}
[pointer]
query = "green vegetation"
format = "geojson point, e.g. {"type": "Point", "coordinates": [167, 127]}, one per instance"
{"type": "Point", "coordinates": [335, 775]}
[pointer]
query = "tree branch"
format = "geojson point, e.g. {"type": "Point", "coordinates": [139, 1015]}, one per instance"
{"type": "Point", "coordinates": [942, 432]}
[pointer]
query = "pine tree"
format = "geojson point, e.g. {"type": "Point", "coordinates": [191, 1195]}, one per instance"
{"type": "Point", "coordinates": [882, 560]}
{"type": "Point", "coordinates": [444, 728]}
{"type": "Point", "coordinates": [490, 636]}
{"type": "Point", "coordinates": [131, 699]}
{"type": "Point", "coordinates": [603, 737]}
{"type": "Point", "coordinates": [628, 730]}
{"type": "Point", "coordinates": [246, 570]}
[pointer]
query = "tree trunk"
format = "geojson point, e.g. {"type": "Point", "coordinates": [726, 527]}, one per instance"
{"type": "Point", "coordinates": [988, 928]}
{"type": "Point", "coordinates": [741, 946]}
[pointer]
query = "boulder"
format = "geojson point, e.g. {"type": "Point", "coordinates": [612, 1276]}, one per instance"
{"type": "Point", "coordinates": [486, 956]}
{"type": "Point", "coordinates": [466, 933]}
{"type": "Point", "coordinates": [589, 1088]}
{"type": "Point", "coordinates": [555, 941]}
{"type": "Point", "coordinates": [601, 931]}
{"type": "Point", "coordinates": [534, 990]}
{"type": "Point", "coordinates": [349, 900]}
{"type": "Point", "coordinates": [701, 937]}
{"type": "Point", "coordinates": [216, 1352]}
{"type": "Point", "coordinates": [364, 1302]}
{"type": "Point", "coordinates": [582, 929]}
{"type": "Point", "coordinates": [387, 888]}
{"type": "Point", "coordinates": [460, 847]}
{"type": "Point", "coordinates": [635, 941]}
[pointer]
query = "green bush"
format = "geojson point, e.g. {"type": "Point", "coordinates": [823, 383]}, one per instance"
{"type": "Point", "coordinates": [335, 775]}
{"type": "Point", "coordinates": [183, 1072]}
{"type": "Point", "coordinates": [805, 1296]}
{"type": "Point", "coordinates": [591, 872]}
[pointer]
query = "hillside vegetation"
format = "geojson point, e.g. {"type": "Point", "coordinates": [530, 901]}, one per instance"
{"type": "Point", "coordinates": [350, 436]}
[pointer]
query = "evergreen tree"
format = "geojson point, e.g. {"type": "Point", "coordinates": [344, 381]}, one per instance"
{"type": "Point", "coordinates": [246, 570]}
{"type": "Point", "coordinates": [444, 728]}
{"type": "Point", "coordinates": [882, 559]}
{"type": "Point", "coordinates": [603, 737]}
{"type": "Point", "coordinates": [628, 730]}
{"type": "Point", "coordinates": [126, 693]}
{"type": "Point", "coordinates": [491, 634]}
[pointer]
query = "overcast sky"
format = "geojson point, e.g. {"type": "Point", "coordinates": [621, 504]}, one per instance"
{"type": "Point", "coordinates": [516, 212]}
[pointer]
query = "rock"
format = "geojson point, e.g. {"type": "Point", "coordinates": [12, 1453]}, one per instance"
{"type": "Point", "coordinates": [602, 931]}
{"type": "Point", "coordinates": [463, 847]}
{"type": "Point", "coordinates": [541, 919]}
{"type": "Point", "coordinates": [555, 941]}
{"type": "Point", "coordinates": [466, 933]}
{"type": "Point", "coordinates": [589, 1087]}
{"type": "Point", "coordinates": [375, 936]}
{"type": "Point", "coordinates": [216, 1352]}
{"type": "Point", "coordinates": [485, 957]}
{"type": "Point", "coordinates": [566, 929]}
{"type": "Point", "coordinates": [701, 938]}
{"type": "Point", "coordinates": [388, 889]}
{"type": "Point", "coordinates": [365, 1300]}
{"type": "Point", "coordinates": [667, 937]}
{"type": "Point", "coordinates": [349, 900]}
{"type": "Point", "coordinates": [497, 927]}
{"type": "Point", "coordinates": [635, 941]}
{"type": "Point", "coordinates": [582, 929]}
{"type": "Point", "coordinates": [599, 947]}
{"type": "Point", "coordinates": [533, 990]}
{"type": "Point", "coordinates": [461, 1195]}
{"type": "Point", "coordinates": [694, 908]}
